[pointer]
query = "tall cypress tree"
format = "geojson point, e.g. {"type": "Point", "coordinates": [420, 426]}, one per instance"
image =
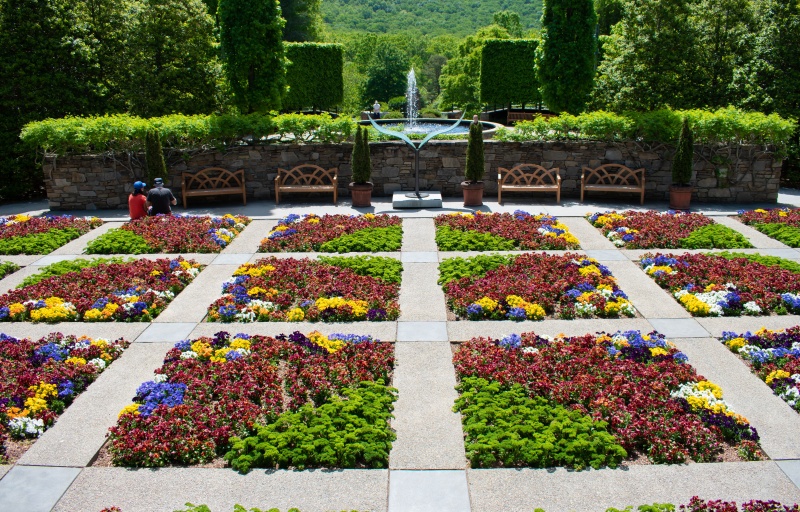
{"type": "Point", "coordinates": [568, 54]}
{"type": "Point", "coordinates": [683, 161]}
{"type": "Point", "coordinates": [154, 156]}
{"type": "Point", "coordinates": [475, 156]}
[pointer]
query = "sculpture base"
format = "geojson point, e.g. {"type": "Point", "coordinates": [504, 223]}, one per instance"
{"type": "Point", "coordinates": [426, 200]}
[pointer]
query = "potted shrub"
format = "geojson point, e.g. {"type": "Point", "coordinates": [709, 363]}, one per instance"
{"type": "Point", "coordinates": [680, 192]}
{"type": "Point", "coordinates": [361, 187]}
{"type": "Point", "coordinates": [473, 186]}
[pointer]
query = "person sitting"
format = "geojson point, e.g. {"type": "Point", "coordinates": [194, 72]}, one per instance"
{"type": "Point", "coordinates": [160, 198]}
{"type": "Point", "coordinates": [137, 202]}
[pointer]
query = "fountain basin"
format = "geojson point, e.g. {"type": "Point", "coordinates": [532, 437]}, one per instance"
{"type": "Point", "coordinates": [423, 126]}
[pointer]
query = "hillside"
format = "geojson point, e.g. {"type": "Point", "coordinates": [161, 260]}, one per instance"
{"type": "Point", "coordinates": [434, 17]}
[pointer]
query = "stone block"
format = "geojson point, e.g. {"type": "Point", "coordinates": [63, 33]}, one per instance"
{"type": "Point", "coordinates": [707, 183]}
{"type": "Point", "coordinates": [72, 189]}
{"type": "Point", "coordinates": [289, 157]}
{"type": "Point", "coordinates": [391, 188]}
{"type": "Point", "coordinates": [554, 155]}
{"type": "Point", "coordinates": [114, 201]}
{"type": "Point", "coordinates": [60, 182]}
{"type": "Point", "coordinates": [613, 154]}
{"type": "Point", "coordinates": [254, 155]}
{"type": "Point", "coordinates": [87, 193]}
{"type": "Point", "coordinates": [719, 192]}
{"type": "Point", "coordinates": [390, 172]}
{"type": "Point", "coordinates": [394, 161]}
{"type": "Point", "coordinates": [450, 162]}
{"type": "Point", "coordinates": [78, 177]}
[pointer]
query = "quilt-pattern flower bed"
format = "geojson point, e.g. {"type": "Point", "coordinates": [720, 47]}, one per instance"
{"type": "Point", "coordinates": [531, 286]}
{"type": "Point", "coordinates": [713, 285]}
{"type": "Point", "coordinates": [501, 232]}
{"type": "Point", "coordinates": [782, 224]}
{"type": "Point", "coordinates": [593, 400]}
{"type": "Point", "coordinates": [774, 356]}
{"type": "Point", "coordinates": [669, 230]}
{"type": "Point", "coordinates": [290, 401]}
{"type": "Point", "coordinates": [336, 289]}
{"type": "Point", "coordinates": [40, 379]}
{"type": "Point", "coordinates": [335, 233]}
{"type": "Point", "coordinates": [170, 234]}
{"type": "Point", "coordinates": [134, 291]}
{"type": "Point", "coordinates": [23, 234]}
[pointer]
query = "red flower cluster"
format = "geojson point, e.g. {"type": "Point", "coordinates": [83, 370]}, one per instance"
{"type": "Point", "coordinates": [227, 384]}
{"type": "Point", "coordinates": [525, 230]}
{"type": "Point", "coordinates": [307, 233]}
{"type": "Point", "coordinates": [788, 216]}
{"type": "Point", "coordinates": [23, 225]}
{"type": "Point", "coordinates": [698, 505]}
{"type": "Point", "coordinates": [174, 234]}
{"type": "Point", "coordinates": [650, 229]}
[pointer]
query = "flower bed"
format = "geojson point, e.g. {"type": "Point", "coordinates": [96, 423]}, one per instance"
{"type": "Point", "coordinates": [328, 290]}
{"type": "Point", "coordinates": [612, 397]}
{"type": "Point", "coordinates": [531, 286]}
{"type": "Point", "coordinates": [501, 232]}
{"type": "Point", "coordinates": [714, 285]}
{"type": "Point", "coordinates": [782, 224]}
{"type": "Point", "coordinates": [170, 234]}
{"type": "Point", "coordinates": [293, 401]}
{"type": "Point", "coordinates": [40, 379]}
{"type": "Point", "coordinates": [669, 230]}
{"type": "Point", "coordinates": [23, 234]}
{"type": "Point", "coordinates": [135, 291]}
{"type": "Point", "coordinates": [7, 267]}
{"type": "Point", "coordinates": [335, 233]}
{"type": "Point", "coordinates": [774, 356]}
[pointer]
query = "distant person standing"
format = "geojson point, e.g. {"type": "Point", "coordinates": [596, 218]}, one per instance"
{"type": "Point", "coordinates": [376, 110]}
{"type": "Point", "coordinates": [137, 202]}
{"type": "Point", "coordinates": [159, 198]}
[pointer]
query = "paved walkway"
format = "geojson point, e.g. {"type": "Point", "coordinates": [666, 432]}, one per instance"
{"type": "Point", "coordinates": [428, 469]}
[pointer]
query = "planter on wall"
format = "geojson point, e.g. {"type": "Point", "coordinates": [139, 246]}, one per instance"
{"type": "Point", "coordinates": [680, 197]}
{"type": "Point", "coordinates": [473, 193]}
{"type": "Point", "coordinates": [361, 194]}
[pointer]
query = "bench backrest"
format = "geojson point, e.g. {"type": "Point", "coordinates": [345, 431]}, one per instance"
{"type": "Point", "coordinates": [613, 174]}
{"type": "Point", "coordinates": [308, 174]}
{"type": "Point", "coordinates": [213, 178]}
{"type": "Point", "coordinates": [528, 174]}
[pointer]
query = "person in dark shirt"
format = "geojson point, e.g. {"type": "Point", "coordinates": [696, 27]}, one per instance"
{"type": "Point", "coordinates": [159, 198]}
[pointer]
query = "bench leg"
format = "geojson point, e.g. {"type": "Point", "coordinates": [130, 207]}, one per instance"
{"type": "Point", "coordinates": [500, 196]}
{"type": "Point", "coordinates": [277, 196]}
{"type": "Point", "coordinates": [558, 195]}
{"type": "Point", "coordinates": [581, 192]}
{"type": "Point", "coordinates": [335, 195]}
{"type": "Point", "coordinates": [244, 198]}
{"type": "Point", "coordinates": [641, 200]}
{"type": "Point", "coordinates": [184, 201]}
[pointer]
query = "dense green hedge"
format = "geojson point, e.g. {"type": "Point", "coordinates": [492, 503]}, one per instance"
{"type": "Point", "coordinates": [314, 75]}
{"type": "Point", "coordinates": [508, 73]}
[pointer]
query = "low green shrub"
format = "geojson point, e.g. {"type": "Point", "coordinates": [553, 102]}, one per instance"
{"type": "Point", "coordinates": [790, 265]}
{"type": "Point", "coordinates": [393, 114]}
{"type": "Point", "coordinates": [7, 267]}
{"type": "Point", "coordinates": [119, 241]}
{"type": "Point", "coordinates": [388, 269]}
{"type": "Point", "coordinates": [456, 268]}
{"type": "Point", "coordinates": [345, 432]}
{"type": "Point", "coordinates": [367, 240]}
{"type": "Point", "coordinates": [783, 233]}
{"type": "Point", "coordinates": [715, 236]}
{"type": "Point", "coordinates": [448, 239]}
{"type": "Point", "coordinates": [38, 243]}
{"type": "Point", "coordinates": [430, 113]}
{"type": "Point", "coordinates": [504, 427]}
{"type": "Point", "coordinates": [62, 267]}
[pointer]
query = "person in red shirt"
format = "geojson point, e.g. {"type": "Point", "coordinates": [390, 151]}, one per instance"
{"type": "Point", "coordinates": [136, 201]}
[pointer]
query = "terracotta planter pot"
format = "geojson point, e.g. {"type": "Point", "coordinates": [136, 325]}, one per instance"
{"type": "Point", "coordinates": [680, 197]}
{"type": "Point", "coordinates": [473, 193]}
{"type": "Point", "coordinates": [361, 194]}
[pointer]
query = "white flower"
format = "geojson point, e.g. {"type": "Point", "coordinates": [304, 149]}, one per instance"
{"type": "Point", "coordinates": [160, 377]}
{"type": "Point", "coordinates": [530, 350]}
{"type": "Point", "coordinates": [26, 427]}
{"type": "Point", "coordinates": [189, 354]}
{"type": "Point", "coordinates": [245, 316]}
{"type": "Point", "coordinates": [98, 363]}
{"type": "Point", "coordinates": [752, 308]}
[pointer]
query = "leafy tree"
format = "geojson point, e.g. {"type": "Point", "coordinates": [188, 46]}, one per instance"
{"type": "Point", "coordinates": [567, 54]}
{"type": "Point", "coordinates": [510, 21]}
{"type": "Point", "coordinates": [508, 72]}
{"type": "Point", "coordinates": [432, 71]}
{"type": "Point", "coordinates": [609, 13]}
{"type": "Point", "coordinates": [253, 56]}
{"type": "Point", "coordinates": [386, 74]}
{"type": "Point", "coordinates": [302, 20]}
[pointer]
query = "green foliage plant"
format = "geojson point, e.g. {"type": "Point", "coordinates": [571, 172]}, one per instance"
{"type": "Point", "coordinates": [475, 166]}
{"type": "Point", "coordinates": [448, 239]}
{"type": "Point", "coordinates": [683, 161]}
{"type": "Point", "coordinates": [314, 75]}
{"type": "Point", "coordinates": [387, 269]}
{"type": "Point", "coordinates": [504, 427]}
{"type": "Point", "coordinates": [303, 20]}
{"type": "Point", "coordinates": [7, 267]}
{"type": "Point", "coordinates": [64, 267]}
{"type": "Point", "coordinates": [784, 233]}
{"type": "Point", "coordinates": [154, 157]}
{"type": "Point", "coordinates": [348, 432]}
{"type": "Point", "coordinates": [360, 162]}
{"type": "Point", "coordinates": [386, 73]}
{"type": "Point", "coordinates": [790, 265]}
{"type": "Point", "coordinates": [451, 269]}
{"type": "Point", "coordinates": [715, 236]}
{"type": "Point", "coordinates": [119, 241]}
{"type": "Point", "coordinates": [367, 240]}
{"type": "Point", "coordinates": [508, 72]}
{"type": "Point", "coordinates": [38, 243]}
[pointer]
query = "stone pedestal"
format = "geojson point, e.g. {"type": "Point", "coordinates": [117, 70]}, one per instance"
{"type": "Point", "coordinates": [400, 200]}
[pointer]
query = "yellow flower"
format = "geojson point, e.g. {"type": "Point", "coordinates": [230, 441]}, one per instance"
{"type": "Point", "coordinates": [248, 269]}
{"type": "Point", "coordinates": [777, 374]}
{"type": "Point", "coordinates": [295, 315]}
{"type": "Point", "coordinates": [155, 273]}
{"type": "Point", "coordinates": [201, 348]}
{"type": "Point", "coordinates": [129, 409]}
{"type": "Point", "coordinates": [487, 304]}
{"type": "Point", "coordinates": [658, 351]}
{"type": "Point", "coordinates": [93, 315]}
{"type": "Point", "coordinates": [219, 355]}
{"type": "Point", "coordinates": [655, 268]}
{"type": "Point", "coordinates": [76, 360]}
{"type": "Point", "coordinates": [705, 385]}
{"type": "Point", "coordinates": [35, 404]}
{"type": "Point", "coordinates": [313, 220]}
{"type": "Point", "coordinates": [534, 311]}
{"type": "Point", "coordinates": [22, 218]}
{"type": "Point", "coordinates": [694, 305]}
{"type": "Point", "coordinates": [321, 340]}
{"type": "Point", "coordinates": [369, 216]}
{"type": "Point", "coordinates": [735, 344]}
{"type": "Point", "coordinates": [16, 309]}
{"type": "Point", "coordinates": [334, 302]}
{"type": "Point", "coordinates": [255, 291]}
{"type": "Point", "coordinates": [589, 270]}
{"type": "Point", "coordinates": [240, 343]}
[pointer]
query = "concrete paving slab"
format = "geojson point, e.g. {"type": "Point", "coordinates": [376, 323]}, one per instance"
{"type": "Point", "coordinates": [637, 254]}
{"type": "Point", "coordinates": [791, 468]}
{"type": "Point", "coordinates": [465, 330]}
{"type": "Point", "coordinates": [20, 259]}
{"type": "Point", "coordinates": [109, 330]}
{"type": "Point", "coordinates": [78, 246]}
{"type": "Point", "coordinates": [606, 255]}
{"type": "Point", "coordinates": [420, 257]}
{"type": "Point", "coordinates": [55, 258]}
{"type": "Point", "coordinates": [166, 489]}
{"type": "Point", "coordinates": [232, 259]}
{"type": "Point", "coordinates": [776, 422]}
{"type": "Point", "coordinates": [678, 327]}
{"type": "Point", "coordinates": [649, 299]}
{"type": "Point", "coordinates": [81, 430]}
{"type": "Point", "coordinates": [4, 469]}
{"type": "Point", "coordinates": [422, 491]}
{"type": "Point", "coordinates": [419, 235]}
{"type": "Point", "coordinates": [589, 236]}
{"type": "Point", "coordinates": [429, 434]}
{"type": "Point", "coordinates": [250, 238]}
{"type": "Point", "coordinates": [757, 238]}
{"type": "Point", "coordinates": [166, 332]}
{"type": "Point", "coordinates": [191, 305]}
{"type": "Point", "coordinates": [740, 324]}
{"type": "Point", "coordinates": [34, 489]}
{"type": "Point", "coordinates": [422, 331]}
{"type": "Point", "coordinates": [383, 331]}
{"type": "Point", "coordinates": [522, 490]}
{"type": "Point", "coordinates": [421, 299]}
{"type": "Point", "coordinates": [14, 279]}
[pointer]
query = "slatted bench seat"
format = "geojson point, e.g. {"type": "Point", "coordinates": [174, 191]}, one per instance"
{"type": "Point", "coordinates": [213, 181]}
{"type": "Point", "coordinates": [306, 178]}
{"type": "Point", "coordinates": [528, 178]}
{"type": "Point", "coordinates": [613, 178]}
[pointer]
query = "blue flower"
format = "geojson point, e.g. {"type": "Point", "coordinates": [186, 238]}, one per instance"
{"type": "Point", "coordinates": [516, 314]}
{"type": "Point", "coordinates": [474, 310]}
{"type": "Point", "coordinates": [184, 345]}
{"type": "Point", "coordinates": [510, 341]}
{"type": "Point", "coordinates": [680, 357]}
{"type": "Point", "coordinates": [154, 394]}
{"type": "Point", "coordinates": [66, 389]}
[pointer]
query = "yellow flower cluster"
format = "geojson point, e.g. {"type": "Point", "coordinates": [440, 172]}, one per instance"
{"type": "Point", "coordinates": [369, 216]}
{"type": "Point", "coordinates": [658, 351]}
{"type": "Point", "coordinates": [532, 311]}
{"type": "Point", "coordinates": [295, 315]}
{"type": "Point", "coordinates": [219, 355]}
{"type": "Point", "coordinates": [736, 343]}
{"type": "Point", "coordinates": [358, 307]}
{"type": "Point", "coordinates": [249, 269]}
{"type": "Point", "coordinates": [78, 361]}
{"type": "Point", "coordinates": [694, 305]}
{"type": "Point", "coordinates": [312, 219]}
{"type": "Point", "coordinates": [319, 339]}
{"type": "Point", "coordinates": [55, 310]}
{"type": "Point", "coordinates": [777, 374]}
{"type": "Point", "coordinates": [16, 309]}
{"type": "Point", "coordinates": [488, 304]}
{"type": "Point", "coordinates": [105, 313]}
{"type": "Point", "coordinates": [156, 273]}
{"type": "Point", "coordinates": [238, 343]}
{"type": "Point", "coordinates": [129, 409]}
{"type": "Point", "coordinates": [655, 268]}
{"type": "Point", "coordinates": [41, 392]}
{"type": "Point", "coordinates": [22, 218]}
{"type": "Point", "coordinates": [607, 219]}
{"type": "Point", "coordinates": [201, 348]}
{"type": "Point", "coordinates": [590, 270]}
{"type": "Point", "coordinates": [707, 385]}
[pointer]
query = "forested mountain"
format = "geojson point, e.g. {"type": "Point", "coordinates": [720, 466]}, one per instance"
{"type": "Point", "coordinates": [434, 17]}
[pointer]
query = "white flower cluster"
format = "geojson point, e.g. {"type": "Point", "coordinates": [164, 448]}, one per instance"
{"type": "Point", "coordinates": [189, 354]}
{"type": "Point", "coordinates": [792, 394]}
{"type": "Point", "coordinates": [690, 389]}
{"type": "Point", "coordinates": [160, 377]}
{"type": "Point", "coordinates": [585, 309]}
{"type": "Point", "coordinates": [98, 363]}
{"type": "Point", "coordinates": [26, 427]}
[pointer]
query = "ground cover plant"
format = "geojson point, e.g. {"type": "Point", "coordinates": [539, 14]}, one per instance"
{"type": "Point", "coordinates": [295, 290]}
{"type": "Point", "coordinates": [23, 234]}
{"type": "Point", "coordinates": [135, 291]}
{"type": "Point", "coordinates": [501, 232]}
{"type": "Point", "coordinates": [782, 224]}
{"type": "Point", "coordinates": [531, 287]}
{"type": "Point", "coordinates": [170, 234]}
{"type": "Point", "coordinates": [7, 267]}
{"type": "Point", "coordinates": [593, 400]}
{"type": "Point", "coordinates": [726, 285]}
{"type": "Point", "coordinates": [41, 378]}
{"type": "Point", "coordinates": [669, 230]}
{"type": "Point", "coordinates": [295, 401]}
{"type": "Point", "coordinates": [772, 355]}
{"type": "Point", "coordinates": [335, 233]}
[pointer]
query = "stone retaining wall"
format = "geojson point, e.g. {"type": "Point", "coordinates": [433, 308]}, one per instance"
{"type": "Point", "coordinates": [103, 181]}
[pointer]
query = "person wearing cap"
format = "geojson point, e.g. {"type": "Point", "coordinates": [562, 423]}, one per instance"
{"type": "Point", "coordinates": [160, 198]}
{"type": "Point", "coordinates": [137, 207]}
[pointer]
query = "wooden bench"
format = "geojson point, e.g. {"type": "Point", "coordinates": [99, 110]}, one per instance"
{"type": "Point", "coordinates": [528, 178]}
{"type": "Point", "coordinates": [513, 117]}
{"type": "Point", "coordinates": [613, 178]}
{"type": "Point", "coordinates": [213, 181]}
{"type": "Point", "coordinates": [306, 178]}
